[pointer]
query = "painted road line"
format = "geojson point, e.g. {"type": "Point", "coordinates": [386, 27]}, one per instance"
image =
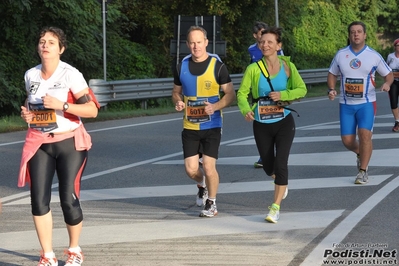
{"type": "Point", "coordinates": [380, 158]}
{"type": "Point", "coordinates": [320, 127]}
{"type": "Point", "coordinates": [319, 139]}
{"type": "Point", "coordinates": [120, 168]}
{"type": "Point", "coordinates": [173, 229]}
{"type": "Point", "coordinates": [385, 157]}
{"type": "Point", "coordinates": [224, 188]}
{"type": "Point", "coordinates": [338, 234]}
{"type": "Point", "coordinates": [105, 172]}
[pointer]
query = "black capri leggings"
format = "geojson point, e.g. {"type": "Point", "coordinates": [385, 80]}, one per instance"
{"type": "Point", "coordinates": [274, 143]}
{"type": "Point", "coordinates": [60, 157]}
{"type": "Point", "coordinates": [394, 94]}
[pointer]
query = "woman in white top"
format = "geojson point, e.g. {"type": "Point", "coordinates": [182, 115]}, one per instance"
{"type": "Point", "coordinates": [56, 142]}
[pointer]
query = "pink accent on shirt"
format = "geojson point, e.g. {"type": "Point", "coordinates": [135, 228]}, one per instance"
{"type": "Point", "coordinates": [34, 139]}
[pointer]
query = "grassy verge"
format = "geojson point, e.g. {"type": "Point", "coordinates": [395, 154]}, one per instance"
{"type": "Point", "coordinates": [120, 111]}
{"type": "Point", "coordinates": [11, 123]}
{"type": "Point", "coordinates": [15, 123]}
{"type": "Point", "coordinates": [120, 114]}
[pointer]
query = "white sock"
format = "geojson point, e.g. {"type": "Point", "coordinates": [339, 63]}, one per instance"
{"type": "Point", "coordinates": [49, 255]}
{"type": "Point", "coordinates": [75, 250]}
{"type": "Point", "coordinates": [202, 184]}
{"type": "Point", "coordinates": [213, 199]}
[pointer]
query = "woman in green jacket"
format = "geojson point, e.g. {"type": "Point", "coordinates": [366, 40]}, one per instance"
{"type": "Point", "coordinates": [273, 83]}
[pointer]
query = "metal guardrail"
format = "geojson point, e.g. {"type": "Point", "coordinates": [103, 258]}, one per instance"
{"type": "Point", "coordinates": [144, 89]}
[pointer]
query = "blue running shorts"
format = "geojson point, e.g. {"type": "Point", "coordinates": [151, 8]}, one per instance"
{"type": "Point", "coordinates": [356, 116]}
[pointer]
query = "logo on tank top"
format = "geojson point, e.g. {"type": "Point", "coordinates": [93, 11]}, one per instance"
{"type": "Point", "coordinates": [208, 84]}
{"type": "Point", "coordinates": [355, 63]}
{"type": "Point", "coordinates": [34, 86]}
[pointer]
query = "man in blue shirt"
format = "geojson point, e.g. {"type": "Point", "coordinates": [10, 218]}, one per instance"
{"type": "Point", "coordinates": [253, 49]}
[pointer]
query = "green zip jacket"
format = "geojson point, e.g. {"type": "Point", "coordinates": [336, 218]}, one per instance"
{"type": "Point", "coordinates": [296, 88]}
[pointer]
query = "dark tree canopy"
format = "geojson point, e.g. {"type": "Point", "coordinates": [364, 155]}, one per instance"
{"type": "Point", "coordinates": [139, 32]}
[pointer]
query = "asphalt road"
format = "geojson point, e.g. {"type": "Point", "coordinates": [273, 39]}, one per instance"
{"type": "Point", "coordinates": [139, 205]}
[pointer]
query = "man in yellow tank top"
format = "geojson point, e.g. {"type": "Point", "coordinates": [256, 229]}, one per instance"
{"type": "Point", "coordinates": [198, 80]}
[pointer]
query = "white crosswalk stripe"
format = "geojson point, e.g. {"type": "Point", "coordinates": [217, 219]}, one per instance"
{"type": "Point", "coordinates": [189, 190]}
{"type": "Point", "coordinates": [226, 223]}
{"type": "Point", "coordinates": [172, 229]}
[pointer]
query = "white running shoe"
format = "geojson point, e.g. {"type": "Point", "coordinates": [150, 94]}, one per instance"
{"type": "Point", "coordinates": [274, 215]}
{"type": "Point", "coordinates": [47, 261]}
{"type": "Point", "coordinates": [362, 178]}
{"type": "Point", "coordinates": [285, 193]}
{"type": "Point", "coordinates": [209, 210]}
{"type": "Point", "coordinates": [74, 258]}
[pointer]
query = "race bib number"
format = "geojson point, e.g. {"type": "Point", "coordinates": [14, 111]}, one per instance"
{"type": "Point", "coordinates": [44, 119]}
{"type": "Point", "coordinates": [268, 109]}
{"type": "Point", "coordinates": [354, 88]}
{"type": "Point", "coordinates": [195, 111]}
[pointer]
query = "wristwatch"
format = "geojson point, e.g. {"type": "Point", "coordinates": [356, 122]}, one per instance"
{"type": "Point", "coordinates": [329, 90]}
{"type": "Point", "coordinates": [65, 106]}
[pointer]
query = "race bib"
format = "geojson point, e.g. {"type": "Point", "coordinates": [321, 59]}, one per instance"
{"type": "Point", "coordinates": [195, 111]}
{"type": "Point", "coordinates": [44, 119]}
{"type": "Point", "coordinates": [354, 88]}
{"type": "Point", "coordinates": [268, 109]}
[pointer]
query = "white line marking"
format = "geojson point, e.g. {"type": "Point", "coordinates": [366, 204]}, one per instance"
{"type": "Point", "coordinates": [385, 116]}
{"type": "Point", "coordinates": [11, 143]}
{"type": "Point", "coordinates": [224, 188]}
{"type": "Point", "coordinates": [380, 158]}
{"type": "Point", "coordinates": [319, 139]}
{"type": "Point", "coordinates": [223, 224]}
{"type": "Point", "coordinates": [134, 125]}
{"type": "Point", "coordinates": [109, 171]}
{"type": "Point", "coordinates": [116, 169]}
{"type": "Point", "coordinates": [338, 234]}
{"type": "Point", "coordinates": [119, 127]}
{"type": "Point", "coordinates": [318, 125]}
{"type": "Point", "coordinates": [296, 140]}
{"type": "Point", "coordinates": [332, 126]}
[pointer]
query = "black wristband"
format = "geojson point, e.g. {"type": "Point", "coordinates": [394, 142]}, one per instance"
{"type": "Point", "coordinates": [84, 99]}
{"type": "Point", "coordinates": [329, 90]}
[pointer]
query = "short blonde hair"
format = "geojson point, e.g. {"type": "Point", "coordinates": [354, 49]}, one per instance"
{"type": "Point", "coordinates": [193, 28]}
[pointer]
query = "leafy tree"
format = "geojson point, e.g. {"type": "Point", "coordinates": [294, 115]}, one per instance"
{"type": "Point", "coordinates": [82, 23]}
{"type": "Point", "coordinates": [317, 46]}
{"type": "Point", "coordinates": [139, 33]}
{"type": "Point", "coordinates": [21, 23]}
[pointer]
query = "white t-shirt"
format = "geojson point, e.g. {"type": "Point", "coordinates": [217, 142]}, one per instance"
{"type": "Point", "coordinates": [393, 62]}
{"type": "Point", "coordinates": [65, 81]}
{"type": "Point", "coordinates": [357, 74]}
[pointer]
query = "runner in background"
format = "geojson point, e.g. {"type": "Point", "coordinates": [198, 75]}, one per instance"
{"type": "Point", "coordinates": [393, 62]}
{"type": "Point", "coordinates": [356, 65]}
